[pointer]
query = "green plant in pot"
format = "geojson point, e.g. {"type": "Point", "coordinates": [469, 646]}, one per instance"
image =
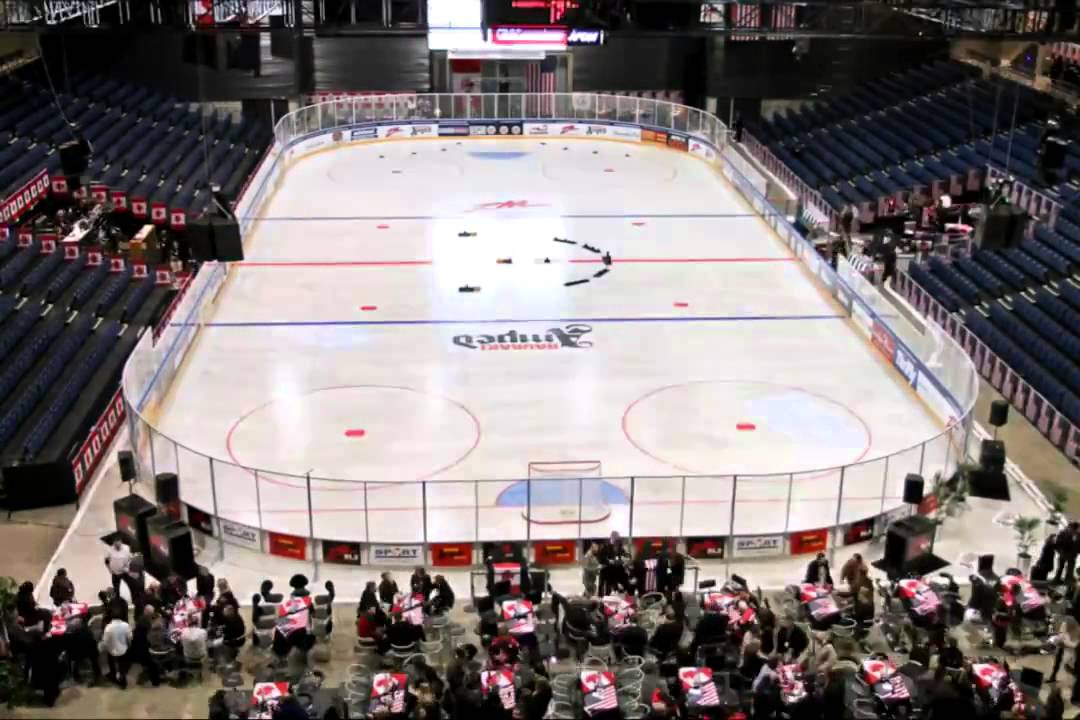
{"type": "Point", "coordinates": [13, 690]}
{"type": "Point", "coordinates": [951, 494]}
{"type": "Point", "coordinates": [1025, 529]}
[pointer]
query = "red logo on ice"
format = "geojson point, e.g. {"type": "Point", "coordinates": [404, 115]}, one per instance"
{"type": "Point", "coordinates": [508, 205]}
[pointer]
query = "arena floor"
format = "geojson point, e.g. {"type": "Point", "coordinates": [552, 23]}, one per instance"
{"type": "Point", "coordinates": [343, 347]}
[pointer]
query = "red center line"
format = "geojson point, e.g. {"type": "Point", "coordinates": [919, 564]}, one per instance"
{"type": "Point", "coordinates": [575, 261]}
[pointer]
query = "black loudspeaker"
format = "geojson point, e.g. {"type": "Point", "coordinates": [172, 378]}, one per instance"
{"type": "Point", "coordinates": [986, 566]}
{"type": "Point", "coordinates": [913, 489]}
{"type": "Point", "coordinates": [1001, 226]}
{"type": "Point", "coordinates": [199, 239]}
{"type": "Point", "coordinates": [989, 484]}
{"type": "Point", "coordinates": [999, 413]}
{"type": "Point", "coordinates": [992, 455]}
{"type": "Point", "coordinates": [1052, 153]}
{"type": "Point", "coordinates": [227, 245]}
{"type": "Point", "coordinates": [906, 543]}
{"type": "Point", "coordinates": [166, 488]}
{"type": "Point", "coordinates": [74, 156]}
{"type": "Point", "coordinates": [127, 465]}
{"type": "Point", "coordinates": [131, 513]}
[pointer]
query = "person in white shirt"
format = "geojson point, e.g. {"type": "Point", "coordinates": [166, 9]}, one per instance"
{"type": "Point", "coordinates": [193, 640]}
{"type": "Point", "coordinates": [115, 641]}
{"type": "Point", "coordinates": [118, 559]}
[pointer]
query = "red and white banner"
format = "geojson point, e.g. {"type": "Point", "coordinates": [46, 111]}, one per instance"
{"type": "Point", "coordinates": [177, 219]}
{"type": "Point", "coordinates": [158, 212]}
{"type": "Point", "coordinates": [139, 207]}
{"type": "Point", "coordinates": [59, 185]}
{"type": "Point", "coordinates": [99, 193]}
{"type": "Point", "coordinates": [97, 441]}
{"type": "Point", "coordinates": [25, 197]}
{"type": "Point", "coordinates": [119, 201]}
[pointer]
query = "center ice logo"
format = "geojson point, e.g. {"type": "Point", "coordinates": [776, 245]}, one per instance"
{"type": "Point", "coordinates": [553, 339]}
{"type": "Point", "coordinates": [508, 205]}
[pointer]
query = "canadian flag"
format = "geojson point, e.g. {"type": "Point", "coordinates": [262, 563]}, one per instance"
{"type": "Point", "coordinates": [177, 218]}
{"type": "Point", "coordinates": [139, 271]}
{"type": "Point", "coordinates": [119, 200]}
{"type": "Point", "coordinates": [99, 193]}
{"type": "Point", "coordinates": [158, 212]}
{"type": "Point", "coordinates": [138, 208]}
{"type": "Point", "coordinates": [71, 251]}
{"type": "Point", "coordinates": [59, 185]}
{"type": "Point", "coordinates": [116, 264]}
{"type": "Point", "coordinates": [48, 246]}
{"type": "Point", "coordinates": [162, 277]}
{"type": "Point", "coordinates": [93, 258]}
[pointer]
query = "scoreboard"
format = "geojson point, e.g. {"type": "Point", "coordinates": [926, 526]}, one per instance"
{"type": "Point", "coordinates": [526, 12]}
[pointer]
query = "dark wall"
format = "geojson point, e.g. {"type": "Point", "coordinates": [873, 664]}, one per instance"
{"type": "Point", "coordinates": [390, 63]}
{"type": "Point", "coordinates": [637, 63]}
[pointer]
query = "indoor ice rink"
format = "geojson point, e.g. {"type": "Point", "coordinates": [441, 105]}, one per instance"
{"type": "Point", "coordinates": [631, 318]}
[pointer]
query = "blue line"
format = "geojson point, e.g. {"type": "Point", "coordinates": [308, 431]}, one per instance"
{"type": "Point", "coordinates": [508, 216]}
{"type": "Point", "coordinates": [506, 321]}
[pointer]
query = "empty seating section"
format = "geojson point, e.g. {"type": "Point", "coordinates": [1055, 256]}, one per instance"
{"type": "Point", "coordinates": [937, 123]}
{"type": "Point", "coordinates": [146, 145]}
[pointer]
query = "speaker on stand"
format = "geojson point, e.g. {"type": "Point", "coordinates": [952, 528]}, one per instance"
{"type": "Point", "coordinates": [999, 415]}
{"type": "Point", "coordinates": [989, 480]}
{"type": "Point", "coordinates": [127, 468]}
{"type": "Point", "coordinates": [913, 489]}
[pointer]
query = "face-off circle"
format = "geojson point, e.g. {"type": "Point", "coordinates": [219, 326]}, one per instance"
{"type": "Point", "coordinates": [745, 427]}
{"type": "Point", "coordinates": [381, 433]}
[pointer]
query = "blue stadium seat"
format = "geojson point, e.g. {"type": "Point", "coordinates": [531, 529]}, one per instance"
{"type": "Point", "coordinates": [1055, 333]}
{"type": "Point", "coordinates": [957, 282]}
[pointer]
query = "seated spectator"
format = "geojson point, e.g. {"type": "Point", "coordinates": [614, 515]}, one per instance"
{"type": "Point", "coordinates": [863, 607]}
{"type": "Point", "coordinates": [766, 688]}
{"type": "Point", "coordinates": [225, 598]}
{"type": "Point", "coordinates": [668, 634]}
{"type": "Point", "coordinates": [388, 589]}
{"type": "Point", "coordinates": [504, 649]}
{"type": "Point", "coordinates": [173, 590]}
{"type": "Point", "coordinates": [403, 633]}
{"type": "Point", "coordinates": [952, 658]}
{"type": "Point", "coordinates": [158, 635]}
{"type": "Point", "coordinates": [630, 639]}
{"type": "Point", "coordinates": [193, 639]}
{"type": "Point", "coordinates": [578, 617]}
{"type": "Point", "coordinates": [751, 660]}
{"type": "Point", "coordinates": [711, 629]}
{"type": "Point", "coordinates": [368, 598]}
{"type": "Point", "coordinates": [116, 606]}
{"type": "Point", "coordinates": [536, 698]}
{"type": "Point", "coordinates": [62, 589]}
{"type": "Point", "coordinates": [825, 656]}
{"type": "Point", "coordinates": [27, 608]}
{"type": "Point", "coordinates": [420, 582]}
{"type": "Point", "coordinates": [442, 596]}
{"type": "Point", "coordinates": [791, 641]}
{"type": "Point", "coordinates": [233, 631]}
{"type": "Point", "coordinates": [372, 623]}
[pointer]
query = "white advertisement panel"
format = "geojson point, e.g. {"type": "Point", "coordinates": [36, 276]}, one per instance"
{"type": "Point", "coordinates": [408, 131]}
{"type": "Point", "coordinates": [758, 546]}
{"type": "Point", "coordinates": [625, 132]}
{"type": "Point", "coordinates": [237, 534]}
{"type": "Point", "coordinates": [395, 554]}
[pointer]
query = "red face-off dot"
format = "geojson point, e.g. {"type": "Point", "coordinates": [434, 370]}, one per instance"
{"type": "Point", "coordinates": [682, 304]}
{"type": "Point", "coordinates": [745, 427]}
{"type": "Point", "coordinates": [382, 227]}
{"type": "Point", "coordinates": [368, 308]}
{"type": "Point", "coordinates": [637, 223]}
{"type": "Point", "coordinates": [355, 433]}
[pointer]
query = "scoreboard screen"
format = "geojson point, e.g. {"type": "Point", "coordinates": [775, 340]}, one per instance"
{"type": "Point", "coordinates": [526, 12]}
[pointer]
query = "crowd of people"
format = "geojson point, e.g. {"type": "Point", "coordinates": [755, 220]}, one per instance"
{"type": "Point", "coordinates": [165, 627]}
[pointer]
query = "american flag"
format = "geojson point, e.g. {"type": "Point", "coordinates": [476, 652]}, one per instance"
{"type": "Point", "coordinates": [540, 78]}
{"type": "Point", "coordinates": [599, 690]}
{"type": "Point", "coordinates": [745, 16]}
{"type": "Point", "coordinates": [783, 18]}
{"type": "Point", "coordinates": [698, 686]}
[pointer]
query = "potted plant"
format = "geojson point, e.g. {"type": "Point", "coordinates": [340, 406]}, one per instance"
{"type": "Point", "coordinates": [950, 494]}
{"type": "Point", "coordinates": [13, 689]}
{"type": "Point", "coordinates": [1025, 528]}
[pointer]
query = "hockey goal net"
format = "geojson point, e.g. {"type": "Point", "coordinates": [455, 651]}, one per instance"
{"type": "Point", "coordinates": [566, 492]}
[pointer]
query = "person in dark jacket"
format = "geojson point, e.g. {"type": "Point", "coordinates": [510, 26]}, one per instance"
{"type": "Point", "coordinates": [387, 589]}
{"type": "Point", "coordinates": [27, 608]}
{"type": "Point", "coordinates": [651, 571]}
{"type": "Point", "coordinates": [420, 582]}
{"type": "Point", "coordinates": [369, 598]}
{"type": "Point", "coordinates": [537, 699]}
{"type": "Point", "coordinates": [630, 639]}
{"type": "Point", "coordinates": [711, 629]}
{"type": "Point", "coordinates": [443, 600]}
{"type": "Point", "coordinates": [817, 571]}
{"type": "Point", "coordinates": [1067, 545]}
{"type": "Point", "coordinates": [612, 558]}
{"type": "Point", "coordinates": [204, 585]}
{"type": "Point", "coordinates": [790, 639]}
{"type": "Point", "coordinates": [62, 589]}
{"type": "Point", "coordinates": [668, 634]}
{"type": "Point", "coordinates": [1055, 705]}
{"type": "Point", "coordinates": [1040, 572]}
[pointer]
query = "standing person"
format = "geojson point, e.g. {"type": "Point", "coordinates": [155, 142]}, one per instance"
{"type": "Point", "coordinates": [590, 569]}
{"type": "Point", "coordinates": [888, 258]}
{"type": "Point", "coordinates": [368, 598]}
{"type": "Point", "coordinates": [204, 585]}
{"type": "Point", "coordinates": [613, 575]}
{"type": "Point", "coordinates": [420, 582]}
{"type": "Point", "coordinates": [1067, 546]}
{"type": "Point", "coordinates": [854, 572]}
{"type": "Point", "coordinates": [387, 589]}
{"type": "Point", "coordinates": [117, 559]}
{"type": "Point", "coordinates": [1068, 641]}
{"type": "Point", "coordinates": [62, 589]}
{"type": "Point", "coordinates": [817, 571]}
{"type": "Point", "coordinates": [766, 689]}
{"type": "Point", "coordinates": [136, 582]}
{"type": "Point", "coordinates": [847, 219]}
{"type": "Point", "coordinates": [116, 640]}
{"type": "Point", "coordinates": [1000, 619]}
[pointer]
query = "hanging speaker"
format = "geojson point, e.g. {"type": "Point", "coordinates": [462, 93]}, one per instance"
{"type": "Point", "coordinates": [999, 413]}
{"type": "Point", "coordinates": [989, 484]}
{"type": "Point", "coordinates": [913, 489]}
{"type": "Point", "coordinates": [166, 488]}
{"type": "Point", "coordinates": [127, 465]}
{"type": "Point", "coordinates": [986, 565]}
